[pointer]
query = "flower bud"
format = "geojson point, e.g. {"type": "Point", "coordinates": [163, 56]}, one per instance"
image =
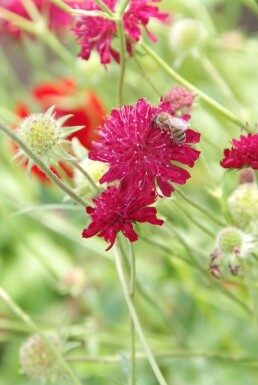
{"type": "Point", "coordinates": [95, 170]}
{"type": "Point", "coordinates": [40, 132]}
{"type": "Point", "coordinates": [74, 281]}
{"type": "Point", "coordinates": [186, 34]}
{"type": "Point", "coordinates": [180, 99]}
{"type": "Point", "coordinates": [229, 240]}
{"type": "Point", "coordinates": [38, 361]}
{"type": "Point", "coordinates": [243, 206]}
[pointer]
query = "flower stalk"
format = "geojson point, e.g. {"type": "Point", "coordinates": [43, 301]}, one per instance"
{"type": "Point", "coordinates": [42, 165]}
{"type": "Point", "coordinates": [136, 321]}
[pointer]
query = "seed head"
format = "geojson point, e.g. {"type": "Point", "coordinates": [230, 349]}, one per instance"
{"type": "Point", "coordinates": [38, 361]}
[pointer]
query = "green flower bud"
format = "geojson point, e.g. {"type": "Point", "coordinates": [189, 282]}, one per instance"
{"type": "Point", "coordinates": [95, 170]}
{"type": "Point", "coordinates": [38, 361]}
{"type": "Point", "coordinates": [232, 242]}
{"type": "Point", "coordinates": [243, 206]}
{"type": "Point", "coordinates": [40, 132]}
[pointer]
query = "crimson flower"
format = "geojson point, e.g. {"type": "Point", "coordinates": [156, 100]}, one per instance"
{"type": "Point", "coordinates": [56, 18]}
{"type": "Point", "coordinates": [140, 154]}
{"type": "Point", "coordinates": [97, 32]}
{"type": "Point", "coordinates": [84, 105]}
{"type": "Point", "coordinates": [116, 210]}
{"type": "Point", "coordinates": [243, 153]}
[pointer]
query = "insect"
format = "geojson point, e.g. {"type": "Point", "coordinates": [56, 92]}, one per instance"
{"type": "Point", "coordinates": [175, 126]}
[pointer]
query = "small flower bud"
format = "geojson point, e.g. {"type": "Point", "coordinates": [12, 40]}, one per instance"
{"type": "Point", "coordinates": [38, 361]}
{"type": "Point", "coordinates": [180, 99]}
{"type": "Point", "coordinates": [247, 175]}
{"type": "Point", "coordinates": [186, 34]}
{"type": "Point", "coordinates": [228, 240]}
{"type": "Point", "coordinates": [231, 244]}
{"type": "Point", "coordinates": [243, 206]}
{"type": "Point", "coordinates": [95, 170]}
{"type": "Point", "coordinates": [74, 281]}
{"type": "Point", "coordinates": [40, 132]}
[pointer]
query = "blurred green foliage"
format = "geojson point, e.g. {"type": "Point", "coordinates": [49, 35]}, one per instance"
{"type": "Point", "coordinates": [182, 308]}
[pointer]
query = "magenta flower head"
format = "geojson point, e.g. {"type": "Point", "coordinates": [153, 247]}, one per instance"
{"type": "Point", "coordinates": [243, 153]}
{"type": "Point", "coordinates": [56, 18]}
{"type": "Point", "coordinates": [139, 154]}
{"type": "Point", "coordinates": [116, 210]}
{"type": "Point", "coordinates": [98, 32]}
{"type": "Point", "coordinates": [180, 99]}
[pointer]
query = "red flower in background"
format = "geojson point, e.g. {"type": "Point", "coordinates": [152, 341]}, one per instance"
{"type": "Point", "coordinates": [85, 106]}
{"type": "Point", "coordinates": [243, 153]}
{"type": "Point", "coordinates": [56, 18]}
{"type": "Point", "coordinates": [115, 210]}
{"type": "Point", "coordinates": [98, 32]}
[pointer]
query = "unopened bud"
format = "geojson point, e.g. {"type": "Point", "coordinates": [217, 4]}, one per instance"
{"type": "Point", "coordinates": [186, 34]}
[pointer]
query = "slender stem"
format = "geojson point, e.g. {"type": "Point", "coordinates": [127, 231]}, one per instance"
{"type": "Point", "coordinates": [166, 355]}
{"type": "Point", "coordinates": [199, 207]}
{"type": "Point", "coordinates": [121, 36]}
{"type": "Point", "coordinates": [104, 7]}
{"type": "Point", "coordinates": [42, 165]}
{"type": "Point", "coordinates": [218, 79]}
{"type": "Point", "coordinates": [65, 7]}
{"type": "Point", "coordinates": [146, 77]}
{"type": "Point", "coordinates": [31, 324]}
{"type": "Point", "coordinates": [122, 6]}
{"type": "Point", "coordinates": [56, 46]}
{"type": "Point", "coordinates": [251, 288]}
{"type": "Point", "coordinates": [17, 20]}
{"type": "Point", "coordinates": [84, 172]}
{"type": "Point", "coordinates": [175, 76]}
{"type": "Point", "coordinates": [136, 321]}
{"type": "Point", "coordinates": [132, 328]}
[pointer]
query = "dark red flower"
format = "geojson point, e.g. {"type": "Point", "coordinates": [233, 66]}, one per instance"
{"type": "Point", "coordinates": [243, 153]}
{"type": "Point", "coordinates": [116, 210]}
{"type": "Point", "coordinates": [97, 32]}
{"type": "Point", "coordinates": [56, 18]}
{"type": "Point", "coordinates": [140, 154]}
{"type": "Point", "coordinates": [85, 106]}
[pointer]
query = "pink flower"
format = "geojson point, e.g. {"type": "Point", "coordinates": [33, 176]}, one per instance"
{"type": "Point", "coordinates": [56, 17]}
{"type": "Point", "coordinates": [180, 99]}
{"type": "Point", "coordinates": [97, 32]}
{"type": "Point", "coordinates": [115, 210]}
{"type": "Point", "coordinates": [244, 152]}
{"type": "Point", "coordinates": [140, 154]}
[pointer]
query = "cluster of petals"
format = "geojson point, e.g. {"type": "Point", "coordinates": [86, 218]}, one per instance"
{"type": "Point", "coordinates": [180, 99]}
{"type": "Point", "coordinates": [57, 18]}
{"type": "Point", "coordinates": [98, 32]}
{"type": "Point", "coordinates": [84, 106]}
{"type": "Point", "coordinates": [243, 153]}
{"type": "Point", "coordinates": [115, 210]}
{"type": "Point", "coordinates": [140, 154]}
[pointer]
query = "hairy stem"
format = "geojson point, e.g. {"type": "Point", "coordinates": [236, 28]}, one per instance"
{"type": "Point", "coordinates": [30, 323]}
{"type": "Point", "coordinates": [132, 328]}
{"type": "Point", "coordinates": [42, 165]}
{"type": "Point", "coordinates": [121, 35]}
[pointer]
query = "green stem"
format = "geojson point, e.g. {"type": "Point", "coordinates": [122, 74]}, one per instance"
{"type": "Point", "coordinates": [175, 76]}
{"type": "Point", "coordinates": [166, 355]}
{"type": "Point", "coordinates": [199, 207]}
{"type": "Point", "coordinates": [136, 321]}
{"type": "Point", "coordinates": [104, 7]}
{"type": "Point", "coordinates": [251, 288]}
{"type": "Point", "coordinates": [121, 36]}
{"type": "Point", "coordinates": [56, 46]}
{"type": "Point", "coordinates": [122, 6]}
{"type": "Point", "coordinates": [42, 165]}
{"type": "Point", "coordinates": [17, 20]}
{"type": "Point", "coordinates": [218, 79]}
{"type": "Point", "coordinates": [30, 323]}
{"type": "Point", "coordinates": [132, 328]}
{"type": "Point", "coordinates": [145, 76]}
